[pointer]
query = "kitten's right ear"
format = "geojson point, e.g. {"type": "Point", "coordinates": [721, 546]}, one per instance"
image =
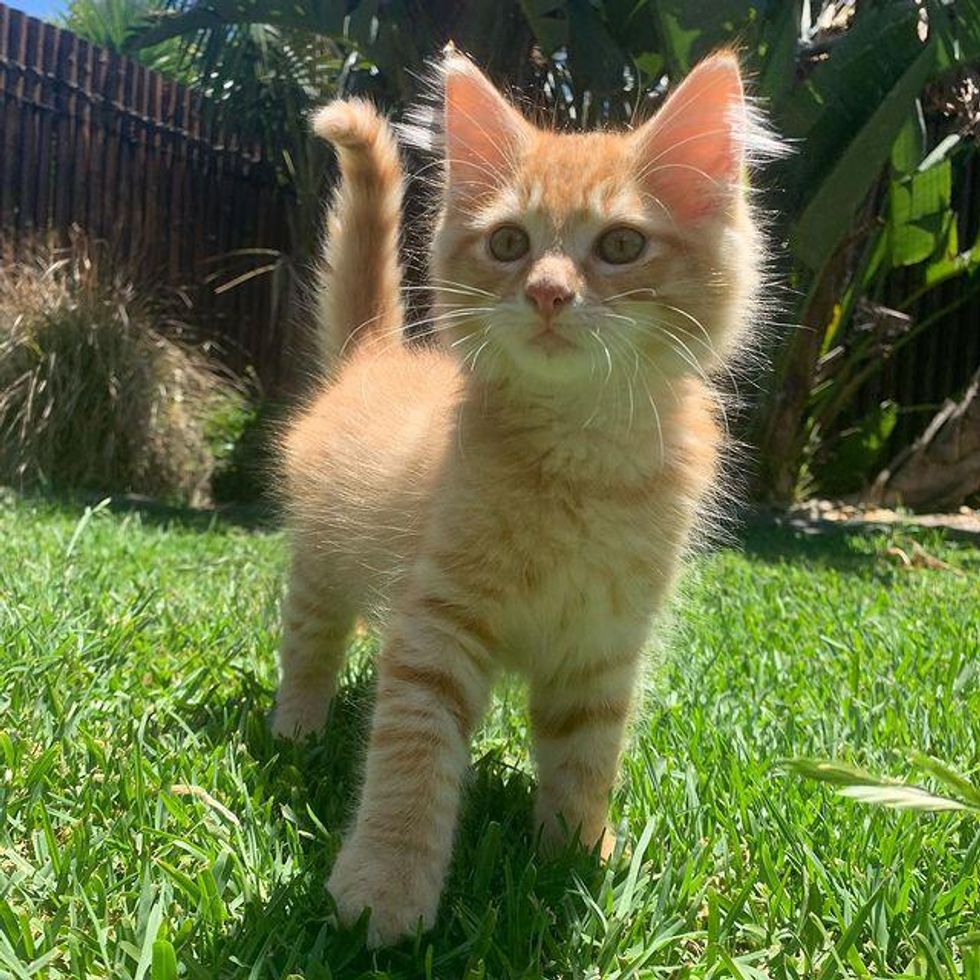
{"type": "Point", "coordinates": [483, 131]}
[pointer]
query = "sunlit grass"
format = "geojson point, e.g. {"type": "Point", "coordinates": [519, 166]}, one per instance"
{"type": "Point", "coordinates": [151, 827]}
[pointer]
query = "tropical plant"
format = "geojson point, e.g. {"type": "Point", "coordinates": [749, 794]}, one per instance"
{"type": "Point", "coordinates": [110, 23]}
{"type": "Point", "coordinates": [844, 81]}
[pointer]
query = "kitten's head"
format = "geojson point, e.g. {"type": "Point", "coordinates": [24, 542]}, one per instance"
{"type": "Point", "coordinates": [575, 252]}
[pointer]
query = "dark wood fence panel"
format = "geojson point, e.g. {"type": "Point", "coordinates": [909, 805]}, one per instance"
{"type": "Point", "coordinates": [93, 140]}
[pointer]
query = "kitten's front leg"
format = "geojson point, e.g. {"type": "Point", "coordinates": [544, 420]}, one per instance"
{"type": "Point", "coordinates": [433, 681]}
{"type": "Point", "coordinates": [579, 719]}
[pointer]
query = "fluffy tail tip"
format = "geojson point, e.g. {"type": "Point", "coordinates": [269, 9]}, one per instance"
{"type": "Point", "coordinates": [347, 122]}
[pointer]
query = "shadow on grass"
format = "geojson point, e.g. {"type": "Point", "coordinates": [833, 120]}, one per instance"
{"type": "Point", "coordinates": [855, 548]}
{"type": "Point", "coordinates": [500, 895]}
{"type": "Point", "coordinates": [258, 516]}
{"type": "Point", "coordinates": [837, 546]}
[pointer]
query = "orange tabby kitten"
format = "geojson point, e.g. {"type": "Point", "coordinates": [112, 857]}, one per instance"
{"type": "Point", "coordinates": [516, 498]}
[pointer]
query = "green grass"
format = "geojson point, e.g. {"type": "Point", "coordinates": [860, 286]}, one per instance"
{"type": "Point", "coordinates": [137, 655]}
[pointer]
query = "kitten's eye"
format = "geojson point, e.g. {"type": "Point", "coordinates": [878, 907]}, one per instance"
{"type": "Point", "coordinates": [618, 246]}
{"type": "Point", "coordinates": [509, 243]}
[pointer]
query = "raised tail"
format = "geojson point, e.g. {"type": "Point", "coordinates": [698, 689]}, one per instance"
{"type": "Point", "coordinates": [358, 292]}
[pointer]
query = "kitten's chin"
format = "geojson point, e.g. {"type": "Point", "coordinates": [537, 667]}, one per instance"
{"type": "Point", "coordinates": [548, 360]}
{"type": "Point", "coordinates": [538, 357]}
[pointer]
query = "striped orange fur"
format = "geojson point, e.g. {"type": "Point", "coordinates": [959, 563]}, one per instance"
{"type": "Point", "coordinates": [517, 495]}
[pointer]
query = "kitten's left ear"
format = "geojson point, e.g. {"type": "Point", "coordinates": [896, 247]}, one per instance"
{"type": "Point", "coordinates": [690, 155]}
{"type": "Point", "coordinates": [484, 132]}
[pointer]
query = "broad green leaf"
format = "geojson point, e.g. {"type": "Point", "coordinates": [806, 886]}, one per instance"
{"type": "Point", "coordinates": [651, 64]}
{"type": "Point", "coordinates": [840, 95]}
{"type": "Point", "coordinates": [912, 243]}
{"type": "Point", "coordinates": [830, 210]}
{"type": "Point", "coordinates": [922, 194]}
{"type": "Point", "coordinates": [688, 30]}
{"type": "Point", "coordinates": [919, 214]}
{"type": "Point", "coordinates": [909, 148]}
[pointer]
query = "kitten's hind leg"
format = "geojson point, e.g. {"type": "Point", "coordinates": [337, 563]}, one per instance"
{"type": "Point", "coordinates": [316, 623]}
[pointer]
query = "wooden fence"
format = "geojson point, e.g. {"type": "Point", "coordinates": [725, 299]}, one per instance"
{"type": "Point", "coordinates": [91, 139]}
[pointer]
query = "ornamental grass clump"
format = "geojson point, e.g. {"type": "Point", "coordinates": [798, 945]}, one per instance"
{"type": "Point", "coordinates": [97, 390]}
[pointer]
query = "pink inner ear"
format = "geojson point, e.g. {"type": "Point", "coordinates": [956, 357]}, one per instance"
{"type": "Point", "coordinates": [690, 154]}
{"type": "Point", "coordinates": [483, 131]}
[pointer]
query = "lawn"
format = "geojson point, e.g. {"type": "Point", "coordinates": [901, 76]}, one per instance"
{"type": "Point", "coordinates": [151, 827]}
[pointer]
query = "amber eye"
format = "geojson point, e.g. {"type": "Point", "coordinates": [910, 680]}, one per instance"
{"type": "Point", "coordinates": [509, 243]}
{"type": "Point", "coordinates": [618, 246]}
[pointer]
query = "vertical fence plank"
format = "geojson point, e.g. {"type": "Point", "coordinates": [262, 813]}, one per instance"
{"type": "Point", "coordinates": [5, 15]}
{"type": "Point", "coordinates": [46, 63]}
{"type": "Point", "coordinates": [28, 92]}
{"type": "Point", "coordinates": [64, 128]}
{"type": "Point", "coordinates": [13, 160]}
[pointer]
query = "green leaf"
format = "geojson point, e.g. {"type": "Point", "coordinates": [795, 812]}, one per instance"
{"type": "Point", "coordinates": [919, 214]}
{"type": "Point", "coordinates": [922, 194]}
{"type": "Point", "coordinates": [829, 212]}
{"type": "Point", "coordinates": [164, 961]}
{"type": "Point", "coordinates": [857, 455]}
{"type": "Point", "coordinates": [910, 147]}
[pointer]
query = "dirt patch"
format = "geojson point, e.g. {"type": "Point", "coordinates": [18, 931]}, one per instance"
{"type": "Point", "coordinates": [822, 514]}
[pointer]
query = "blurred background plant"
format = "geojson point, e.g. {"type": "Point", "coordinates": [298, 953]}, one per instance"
{"type": "Point", "coordinates": [99, 389]}
{"type": "Point", "coordinates": [876, 214]}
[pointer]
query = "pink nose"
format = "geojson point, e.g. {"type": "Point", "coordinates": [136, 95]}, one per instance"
{"type": "Point", "coordinates": [548, 296]}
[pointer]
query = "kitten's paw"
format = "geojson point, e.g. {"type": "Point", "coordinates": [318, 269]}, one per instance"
{"type": "Point", "coordinates": [297, 715]}
{"type": "Point", "coordinates": [555, 838]}
{"type": "Point", "coordinates": [392, 885]}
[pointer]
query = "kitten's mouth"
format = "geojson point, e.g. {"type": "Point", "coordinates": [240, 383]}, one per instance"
{"type": "Point", "coordinates": [550, 341]}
